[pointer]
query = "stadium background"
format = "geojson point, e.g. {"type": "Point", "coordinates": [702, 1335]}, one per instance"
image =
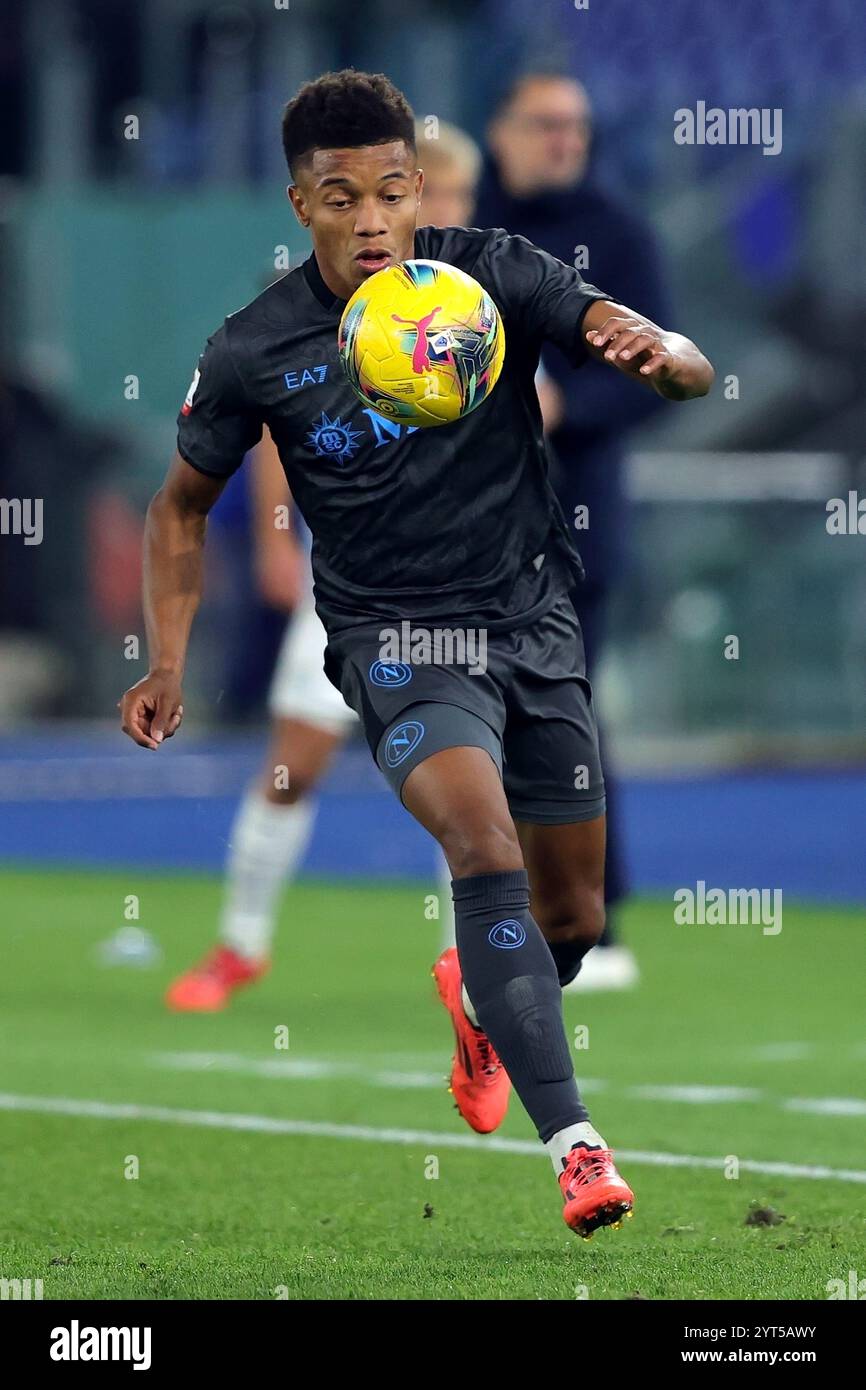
{"type": "Point", "coordinates": [118, 256]}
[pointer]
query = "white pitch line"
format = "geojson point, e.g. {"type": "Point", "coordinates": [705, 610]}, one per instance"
{"type": "Point", "coordinates": [266, 1124]}
{"type": "Point", "coordinates": [297, 1069]}
{"type": "Point", "coordinates": [827, 1105]}
{"type": "Point", "coordinates": [317, 1069]}
{"type": "Point", "coordinates": [782, 1052]}
{"type": "Point", "coordinates": [313, 1069]}
{"type": "Point", "coordinates": [696, 1095]}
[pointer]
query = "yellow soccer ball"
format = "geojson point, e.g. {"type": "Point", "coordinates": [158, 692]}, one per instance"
{"type": "Point", "coordinates": [422, 343]}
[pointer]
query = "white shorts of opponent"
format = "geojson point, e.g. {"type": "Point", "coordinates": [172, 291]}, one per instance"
{"type": "Point", "coordinates": [300, 689]}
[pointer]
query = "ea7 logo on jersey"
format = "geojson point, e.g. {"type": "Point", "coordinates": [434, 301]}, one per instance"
{"type": "Point", "coordinates": [310, 376]}
{"type": "Point", "coordinates": [193, 387]}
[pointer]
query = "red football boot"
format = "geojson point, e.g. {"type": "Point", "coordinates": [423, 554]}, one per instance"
{"type": "Point", "coordinates": [210, 985]}
{"type": "Point", "coordinates": [595, 1194]}
{"type": "Point", "coordinates": [479, 1081]}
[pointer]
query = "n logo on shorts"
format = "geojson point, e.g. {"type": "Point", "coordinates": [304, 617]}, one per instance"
{"type": "Point", "coordinates": [390, 673]}
{"type": "Point", "coordinates": [507, 935]}
{"type": "Point", "coordinates": [402, 741]}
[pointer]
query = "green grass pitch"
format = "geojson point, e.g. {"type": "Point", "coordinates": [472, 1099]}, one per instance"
{"type": "Point", "coordinates": [239, 1212]}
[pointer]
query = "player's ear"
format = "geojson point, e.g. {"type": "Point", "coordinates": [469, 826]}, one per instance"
{"type": "Point", "coordinates": [419, 186]}
{"type": "Point", "coordinates": [296, 198]}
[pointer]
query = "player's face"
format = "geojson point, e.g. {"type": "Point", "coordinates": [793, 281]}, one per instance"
{"type": "Point", "coordinates": [542, 140]}
{"type": "Point", "coordinates": [449, 197]}
{"type": "Point", "coordinates": [360, 206]}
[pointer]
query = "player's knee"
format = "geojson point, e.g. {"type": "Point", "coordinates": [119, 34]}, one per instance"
{"type": "Point", "coordinates": [289, 777]}
{"type": "Point", "coordinates": [485, 849]}
{"type": "Point", "coordinates": [279, 794]}
{"type": "Point", "coordinates": [577, 917]}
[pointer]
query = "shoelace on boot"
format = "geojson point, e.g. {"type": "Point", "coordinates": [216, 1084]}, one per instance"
{"type": "Point", "coordinates": [490, 1063]}
{"type": "Point", "coordinates": [589, 1168]}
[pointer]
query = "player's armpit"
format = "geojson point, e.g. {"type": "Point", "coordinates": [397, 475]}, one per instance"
{"type": "Point", "coordinates": [668, 362]}
{"type": "Point", "coordinates": [187, 489]}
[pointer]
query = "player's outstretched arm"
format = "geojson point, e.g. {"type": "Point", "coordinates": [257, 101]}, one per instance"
{"type": "Point", "coordinates": [174, 534]}
{"type": "Point", "coordinates": [671, 364]}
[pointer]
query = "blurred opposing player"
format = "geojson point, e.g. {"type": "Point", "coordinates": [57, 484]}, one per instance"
{"type": "Point", "coordinates": [309, 718]}
{"type": "Point", "coordinates": [309, 721]}
{"type": "Point", "coordinates": [461, 529]}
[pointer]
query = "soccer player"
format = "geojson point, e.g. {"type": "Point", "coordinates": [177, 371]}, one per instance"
{"type": "Point", "coordinates": [453, 526]}
{"type": "Point", "coordinates": [309, 718]}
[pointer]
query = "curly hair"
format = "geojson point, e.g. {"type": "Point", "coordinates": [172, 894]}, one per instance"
{"type": "Point", "coordinates": [344, 110]}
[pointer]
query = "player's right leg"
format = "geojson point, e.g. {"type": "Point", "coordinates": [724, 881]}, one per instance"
{"type": "Point", "coordinates": [436, 733]}
{"type": "Point", "coordinates": [506, 966]}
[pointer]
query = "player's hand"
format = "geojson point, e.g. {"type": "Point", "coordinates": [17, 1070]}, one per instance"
{"type": "Point", "coordinates": [281, 572]}
{"type": "Point", "coordinates": [634, 347]}
{"type": "Point", "coordinates": [151, 711]}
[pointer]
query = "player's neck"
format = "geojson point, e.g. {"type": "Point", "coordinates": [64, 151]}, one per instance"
{"type": "Point", "coordinates": [340, 288]}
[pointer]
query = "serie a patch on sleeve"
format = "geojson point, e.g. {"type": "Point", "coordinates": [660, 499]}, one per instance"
{"type": "Point", "coordinates": [190, 395]}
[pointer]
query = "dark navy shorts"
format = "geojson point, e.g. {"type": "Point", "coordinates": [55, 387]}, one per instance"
{"type": "Point", "coordinates": [523, 695]}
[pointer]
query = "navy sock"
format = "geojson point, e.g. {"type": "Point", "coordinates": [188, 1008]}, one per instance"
{"type": "Point", "coordinates": [511, 978]}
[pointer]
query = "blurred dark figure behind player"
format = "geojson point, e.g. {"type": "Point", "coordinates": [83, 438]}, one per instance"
{"type": "Point", "coordinates": [536, 184]}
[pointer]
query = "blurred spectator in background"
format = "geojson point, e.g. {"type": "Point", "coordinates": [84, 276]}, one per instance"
{"type": "Point", "coordinates": [68, 554]}
{"type": "Point", "coordinates": [451, 161]}
{"type": "Point", "coordinates": [537, 184]}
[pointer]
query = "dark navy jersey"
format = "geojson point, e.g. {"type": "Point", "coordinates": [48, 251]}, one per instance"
{"type": "Point", "coordinates": [456, 523]}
